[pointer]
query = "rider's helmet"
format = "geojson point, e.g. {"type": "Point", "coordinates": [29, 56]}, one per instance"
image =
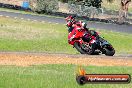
{"type": "Point", "coordinates": [81, 24]}
{"type": "Point", "coordinates": [70, 18]}
{"type": "Point", "coordinates": [70, 21]}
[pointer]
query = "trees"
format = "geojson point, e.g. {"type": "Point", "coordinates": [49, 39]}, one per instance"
{"type": "Point", "coordinates": [44, 6]}
{"type": "Point", "coordinates": [88, 8]}
{"type": "Point", "coordinates": [123, 10]}
{"type": "Point", "coordinates": [94, 3]}
{"type": "Point", "coordinates": [124, 4]}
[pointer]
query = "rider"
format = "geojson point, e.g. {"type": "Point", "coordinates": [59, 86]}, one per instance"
{"type": "Point", "coordinates": [71, 22]}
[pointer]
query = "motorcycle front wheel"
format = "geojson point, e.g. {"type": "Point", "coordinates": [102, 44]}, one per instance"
{"type": "Point", "coordinates": [79, 49]}
{"type": "Point", "coordinates": [109, 51]}
{"type": "Point", "coordinates": [83, 51]}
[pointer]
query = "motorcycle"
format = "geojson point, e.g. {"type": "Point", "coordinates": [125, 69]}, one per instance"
{"type": "Point", "coordinates": [90, 42]}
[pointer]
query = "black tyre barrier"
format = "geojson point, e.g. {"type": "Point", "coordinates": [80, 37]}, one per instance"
{"type": "Point", "coordinates": [16, 7]}
{"type": "Point", "coordinates": [111, 12]}
{"type": "Point", "coordinates": [113, 21]}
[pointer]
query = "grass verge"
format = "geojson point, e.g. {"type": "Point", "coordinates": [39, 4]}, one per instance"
{"type": "Point", "coordinates": [54, 76]}
{"type": "Point", "coordinates": [29, 36]}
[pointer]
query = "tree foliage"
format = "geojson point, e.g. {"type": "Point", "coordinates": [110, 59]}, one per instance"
{"type": "Point", "coordinates": [88, 8]}
{"type": "Point", "coordinates": [94, 3]}
{"type": "Point", "coordinates": [44, 6]}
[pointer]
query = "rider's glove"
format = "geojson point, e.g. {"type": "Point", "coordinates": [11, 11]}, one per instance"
{"type": "Point", "coordinates": [72, 38]}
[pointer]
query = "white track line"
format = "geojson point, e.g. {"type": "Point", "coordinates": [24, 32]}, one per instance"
{"type": "Point", "coordinates": [22, 18]}
{"type": "Point", "coordinates": [15, 17]}
{"type": "Point", "coordinates": [43, 21]}
{"type": "Point", "coordinates": [7, 16]}
{"type": "Point", "coordinates": [28, 19]}
{"type": "Point", "coordinates": [50, 22]}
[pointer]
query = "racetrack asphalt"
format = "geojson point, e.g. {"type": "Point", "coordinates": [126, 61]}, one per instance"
{"type": "Point", "coordinates": [97, 25]}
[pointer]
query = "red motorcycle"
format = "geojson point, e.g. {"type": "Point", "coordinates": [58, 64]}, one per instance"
{"type": "Point", "coordinates": [89, 42]}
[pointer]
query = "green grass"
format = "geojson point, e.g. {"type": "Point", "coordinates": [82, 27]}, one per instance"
{"type": "Point", "coordinates": [18, 35]}
{"type": "Point", "coordinates": [55, 76]}
{"type": "Point", "coordinates": [28, 36]}
{"type": "Point", "coordinates": [120, 41]}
